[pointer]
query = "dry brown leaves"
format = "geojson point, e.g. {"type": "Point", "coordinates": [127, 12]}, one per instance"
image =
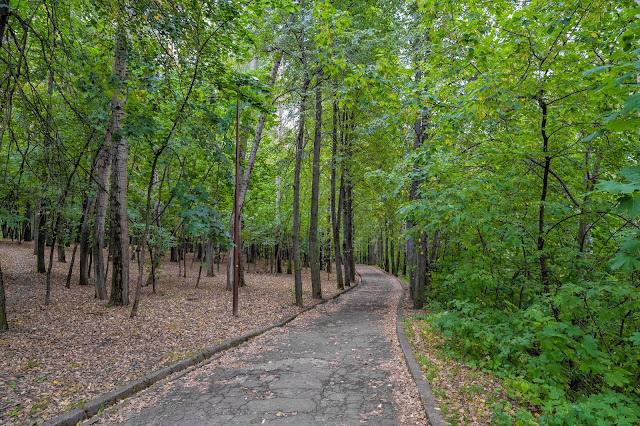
{"type": "Point", "coordinates": [464, 394]}
{"type": "Point", "coordinates": [56, 357]}
{"type": "Point", "coordinates": [406, 397]}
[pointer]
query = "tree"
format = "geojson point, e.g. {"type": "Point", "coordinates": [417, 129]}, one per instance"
{"type": "Point", "coordinates": [315, 187]}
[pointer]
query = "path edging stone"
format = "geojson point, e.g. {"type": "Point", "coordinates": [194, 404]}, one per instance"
{"type": "Point", "coordinates": [101, 402]}
{"type": "Point", "coordinates": [429, 403]}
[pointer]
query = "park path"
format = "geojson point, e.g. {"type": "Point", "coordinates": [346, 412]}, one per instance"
{"type": "Point", "coordinates": [335, 365]}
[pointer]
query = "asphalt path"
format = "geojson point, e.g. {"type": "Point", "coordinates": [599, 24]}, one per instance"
{"type": "Point", "coordinates": [331, 366]}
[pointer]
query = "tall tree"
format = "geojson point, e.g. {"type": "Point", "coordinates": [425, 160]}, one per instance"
{"type": "Point", "coordinates": [316, 288]}
{"type": "Point", "coordinates": [117, 141]}
{"type": "Point", "coordinates": [335, 210]}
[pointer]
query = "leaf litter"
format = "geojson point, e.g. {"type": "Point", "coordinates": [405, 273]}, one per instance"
{"type": "Point", "coordinates": [54, 358]}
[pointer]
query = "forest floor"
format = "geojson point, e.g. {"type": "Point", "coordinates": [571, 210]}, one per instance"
{"type": "Point", "coordinates": [466, 395]}
{"type": "Point", "coordinates": [56, 357]}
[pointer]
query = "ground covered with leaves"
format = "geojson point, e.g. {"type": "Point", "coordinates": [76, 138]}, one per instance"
{"type": "Point", "coordinates": [53, 358]}
{"type": "Point", "coordinates": [467, 396]}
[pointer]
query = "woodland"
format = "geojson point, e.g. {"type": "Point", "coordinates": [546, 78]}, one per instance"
{"type": "Point", "coordinates": [485, 152]}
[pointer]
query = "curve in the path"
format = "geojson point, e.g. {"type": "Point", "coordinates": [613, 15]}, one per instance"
{"type": "Point", "coordinates": [328, 367]}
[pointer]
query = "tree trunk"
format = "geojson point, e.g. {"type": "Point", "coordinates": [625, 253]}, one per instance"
{"type": "Point", "coordinates": [244, 183]}
{"type": "Point", "coordinates": [295, 228]}
{"type": "Point", "coordinates": [316, 288]}
{"type": "Point", "coordinates": [119, 221]}
{"type": "Point", "coordinates": [85, 229]}
{"type": "Point", "coordinates": [4, 324]}
{"type": "Point", "coordinates": [36, 225]}
{"type": "Point", "coordinates": [335, 212]}
{"type": "Point", "coordinates": [542, 257]}
{"type": "Point", "coordinates": [347, 212]}
{"type": "Point", "coordinates": [73, 259]}
{"type": "Point", "coordinates": [102, 182]}
{"type": "Point", "coordinates": [27, 231]}
{"type": "Point", "coordinates": [277, 249]}
{"type": "Point", "coordinates": [209, 257]}
{"type": "Point", "coordinates": [145, 235]}
{"type": "Point", "coordinates": [42, 237]}
{"type": "Point", "coordinates": [62, 256]}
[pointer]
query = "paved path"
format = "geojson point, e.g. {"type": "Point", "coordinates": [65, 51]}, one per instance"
{"type": "Point", "coordinates": [329, 367]}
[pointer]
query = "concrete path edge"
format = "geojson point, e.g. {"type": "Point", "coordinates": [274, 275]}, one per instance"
{"type": "Point", "coordinates": [429, 402]}
{"type": "Point", "coordinates": [100, 403]}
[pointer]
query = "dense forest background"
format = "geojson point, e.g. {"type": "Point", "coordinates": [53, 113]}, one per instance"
{"type": "Point", "coordinates": [485, 151]}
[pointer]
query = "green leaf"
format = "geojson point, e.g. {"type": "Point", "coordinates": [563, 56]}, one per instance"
{"type": "Point", "coordinates": [632, 103]}
{"type": "Point", "coordinates": [596, 69]}
{"type": "Point", "coordinates": [593, 136]}
{"type": "Point", "coordinates": [630, 205]}
{"type": "Point", "coordinates": [614, 187]}
{"type": "Point", "coordinates": [624, 262]}
{"type": "Point", "coordinates": [616, 377]}
{"type": "Point", "coordinates": [631, 174]}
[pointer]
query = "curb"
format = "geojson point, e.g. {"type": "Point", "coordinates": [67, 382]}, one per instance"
{"type": "Point", "coordinates": [429, 403]}
{"type": "Point", "coordinates": [99, 403]}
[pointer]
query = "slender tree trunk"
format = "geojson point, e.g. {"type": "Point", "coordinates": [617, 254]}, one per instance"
{"type": "Point", "coordinates": [102, 182]}
{"type": "Point", "coordinates": [335, 212]}
{"type": "Point", "coordinates": [328, 241]}
{"type": "Point", "coordinates": [145, 235]}
{"type": "Point", "coordinates": [316, 288]}
{"type": "Point", "coordinates": [36, 226]}
{"type": "Point", "coordinates": [73, 259]}
{"type": "Point", "coordinates": [4, 324]}
{"type": "Point", "coordinates": [42, 237]}
{"type": "Point", "coordinates": [277, 249]}
{"type": "Point", "coordinates": [119, 221]}
{"type": "Point", "coordinates": [85, 229]}
{"type": "Point", "coordinates": [542, 257]}
{"type": "Point", "coordinates": [209, 257]}
{"type": "Point", "coordinates": [62, 258]}
{"type": "Point", "coordinates": [295, 229]}
{"type": "Point", "coordinates": [244, 184]}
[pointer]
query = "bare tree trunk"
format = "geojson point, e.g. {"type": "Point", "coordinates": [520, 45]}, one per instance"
{"type": "Point", "coordinates": [36, 226]}
{"type": "Point", "coordinates": [335, 212]}
{"type": "Point", "coordinates": [62, 258]}
{"type": "Point", "coordinates": [295, 228]}
{"type": "Point", "coordinates": [316, 288]}
{"type": "Point", "coordinates": [209, 257]}
{"type": "Point", "coordinates": [85, 229]}
{"type": "Point", "coordinates": [73, 259]}
{"type": "Point", "coordinates": [4, 324]}
{"type": "Point", "coordinates": [277, 249]}
{"type": "Point", "coordinates": [145, 235]}
{"type": "Point", "coordinates": [119, 221]}
{"type": "Point", "coordinates": [42, 236]}
{"type": "Point", "coordinates": [102, 182]}
{"type": "Point", "coordinates": [542, 257]}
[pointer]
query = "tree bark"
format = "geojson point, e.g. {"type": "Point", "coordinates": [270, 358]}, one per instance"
{"type": "Point", "coordinates": [42, 237]}
{"type": "Point", "coordinates": [119, 221]}
{"type": "Point", "coordinates": [316, 288]}
{"type": "Point", "coordinates": [295, 228]}
{"type": "Point", "coordinates": [542, 257]}
{"type": "Point", "coordinates": [85, 229]}
{"type": "Point", "coordinates": [4, 324]}
{"type": "Point", "coordinates": [102, 182]}
{"type": "Point", "coordinates": [73, 259]}
{"type": "Point", "coordinates": [335, 212]}
{"type": "Point", "coordinates": [277, 249]}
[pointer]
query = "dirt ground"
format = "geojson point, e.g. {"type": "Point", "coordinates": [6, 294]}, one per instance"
{"type": "Point", "coordinates": [55, 357]}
